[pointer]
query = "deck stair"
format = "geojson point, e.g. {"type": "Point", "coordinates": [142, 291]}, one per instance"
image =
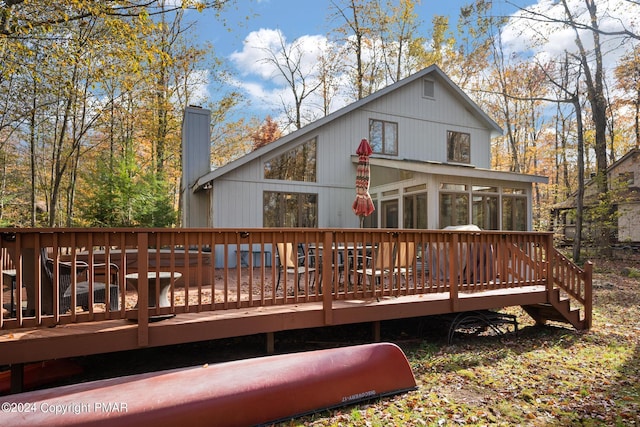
{"type": "Point", "coordinates": [558, 310]}
{"type": "Point", "coordinates": [569, 294]}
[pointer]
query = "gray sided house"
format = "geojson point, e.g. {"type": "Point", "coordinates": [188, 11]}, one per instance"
{"type": "Point", "coordinates": [430, 167]}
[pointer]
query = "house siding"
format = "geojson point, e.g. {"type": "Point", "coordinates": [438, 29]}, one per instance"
{"type": "Point", "coordinates": [626, 194]}
{"type": "Point", "coordinates": [629, 207]}
{"type": "Point", "coordinates": [239, 204]}
{"type": "Point", "coordinates": [423, 123]}
{"type": "Point", "coordinates": [238, 189]}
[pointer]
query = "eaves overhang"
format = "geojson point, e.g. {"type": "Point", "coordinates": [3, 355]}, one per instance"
{"type": "Point", "coordinates": [438, 168]}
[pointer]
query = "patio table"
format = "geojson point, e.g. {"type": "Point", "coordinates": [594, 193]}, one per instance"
{"type": "Point", "coordinates": [164, 277]}
{"type": "Point", "coordinates": [349, 252]}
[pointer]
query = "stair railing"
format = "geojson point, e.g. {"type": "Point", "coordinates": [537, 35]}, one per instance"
{"type": "Point", "coordinates": [576, 282]}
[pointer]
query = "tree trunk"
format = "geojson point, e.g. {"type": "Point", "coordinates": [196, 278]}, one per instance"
{"type": "Point", "coordinates": [595, 95]}
{"type": "Point", "coordinates": [577, 243]}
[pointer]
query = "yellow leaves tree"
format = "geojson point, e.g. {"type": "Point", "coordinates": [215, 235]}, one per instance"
{"type": "Point", "coordinates": [381, 39]}
{"type": "Point", "coordinates": [628, 80]}
{"type": "Point", "coordinates": [84, 66]}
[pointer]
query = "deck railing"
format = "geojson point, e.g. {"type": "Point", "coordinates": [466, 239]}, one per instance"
{"type": "Point", "coordinates": [574, 283]}
{"type": "Point", "coordinates": [220, 269]}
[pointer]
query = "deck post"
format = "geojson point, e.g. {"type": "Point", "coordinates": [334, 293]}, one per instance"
{"type": "Point", "coordinates": [143, 290]}
{"type": "Point", "coordinates": [376, 331]}
{"type": "Point", "coordinates": [17, 378]}
{"type": "Point", "coordinates": [271, 342]}
{"type": "Point", "coordinates": [327, 288]}
{"type": "Point", "coordinates": [454, 251]}
{"type": "Point", "coordinates": [549, 261]}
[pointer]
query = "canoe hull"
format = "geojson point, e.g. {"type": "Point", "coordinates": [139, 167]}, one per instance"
{"type": "Point", "coordinates": [246, 392]}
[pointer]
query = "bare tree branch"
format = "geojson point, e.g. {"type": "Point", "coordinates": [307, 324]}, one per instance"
{"type": "Point", "coordinates": [533, 15]}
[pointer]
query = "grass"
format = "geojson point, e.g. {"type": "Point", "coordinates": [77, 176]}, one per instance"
{"type": "Point", "coordinates": [545, 376]}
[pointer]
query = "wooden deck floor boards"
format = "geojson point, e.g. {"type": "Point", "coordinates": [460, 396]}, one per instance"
{"type": "Point", "coordinates": [76, 339]}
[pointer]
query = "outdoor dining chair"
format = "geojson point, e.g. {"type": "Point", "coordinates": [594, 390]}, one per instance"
{"type": "Point", "coordinates": [65, 273]}
{"type": "Point", "coordinates": [378, 266]}
{"type": "Point", "coordinates": [291, 261]}
{"type": "Point", "coordinates": [394, 260]}
{"type": "Point", "coordinates": [338, 256]}
{"type": "Point", "coordinates": [405, 257]}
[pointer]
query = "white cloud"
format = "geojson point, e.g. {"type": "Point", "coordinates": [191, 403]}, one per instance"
{"type": "Point", "coordinates": [253, 58]}
{"type": "Point", "coordinates": [198, 82]}
{"type": "Point", "coordinates": [522, 39]}
{"type": "Point", "coordinates": [261, 48]}
{"type": "Point", "coordinates": [539, 37]}
{"type": "Point", "coordinates": [258, 95]}
{"type": "Point", "coordinates": [262, 81]}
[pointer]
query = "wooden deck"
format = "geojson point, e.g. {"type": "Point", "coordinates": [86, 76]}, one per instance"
{"type": "Point", "coordinates": [77, 339]}
{"type": "Point", "coordinates": [222, 292]}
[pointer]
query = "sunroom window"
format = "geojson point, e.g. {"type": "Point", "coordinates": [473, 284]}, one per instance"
{"type": "Point", "coordinates": [454, 209]}
{"type": "Point", "coordinates": [514, 213]}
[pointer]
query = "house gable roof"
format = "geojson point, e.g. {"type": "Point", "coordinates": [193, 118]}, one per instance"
{"type": "Point", "coordinates": [432, 70]}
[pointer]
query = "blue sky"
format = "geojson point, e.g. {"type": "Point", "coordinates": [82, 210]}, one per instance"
{"type": "Point", "coordinates": [254, 27]}
{"type": "Point", "coordinates": [302, 17]}
{"type": "Point", "coordinates": [251, 26]}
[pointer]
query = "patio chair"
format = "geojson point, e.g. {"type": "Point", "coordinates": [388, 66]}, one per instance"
{"type": "Point", "coordinates": [291, 261]}
{"type": "Point", "coordinates": [405, 257]}
{"type": "Point", "coordinates": [338, 257]}
{"type": "Point", "coordinates": [9, 279]}
{"type": "Point", "coordinates": [378, 266]}
{"type": "Point", "coordinates": [65, 271]}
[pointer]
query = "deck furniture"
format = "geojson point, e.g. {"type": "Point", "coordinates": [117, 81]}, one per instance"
{"type": "Point", "coordinates": [341, 255]}
{"type": "Point", "coordinates": [380, 264]}
{"type": "Point", "coordinates": [405, 259]}
{"type": "Point", "coordinates": [394, 260]}
{"type": "Point", "coordinates": [185, 263]}
{"type": "Point", "coordinates": [256, 256]}
{"type": "Point", "coordinates": [9, 277]}
{"type": "Point", "coordinates": [291, 261]}
{"type": "Point", "coordinates": [163, 278]}
{"type": "Point", "coordinates": [82, 286]}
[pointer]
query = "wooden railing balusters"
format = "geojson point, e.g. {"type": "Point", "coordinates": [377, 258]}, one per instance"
{"type": "Point", "coordinates": [445, 261]}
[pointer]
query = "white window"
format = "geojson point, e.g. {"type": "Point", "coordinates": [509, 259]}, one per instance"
{"type": "Point", "coordinates": [458, 147]}
{"type": "Point", "coordinates": [383, 137]}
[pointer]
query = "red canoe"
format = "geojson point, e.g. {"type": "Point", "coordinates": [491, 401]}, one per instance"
{"type": "Point", "coordinates": [240, 393]}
